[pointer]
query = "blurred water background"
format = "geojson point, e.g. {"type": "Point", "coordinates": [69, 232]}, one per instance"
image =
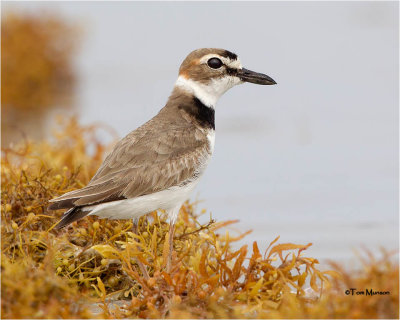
{"type": "Point", "coordinates": [313, 159]}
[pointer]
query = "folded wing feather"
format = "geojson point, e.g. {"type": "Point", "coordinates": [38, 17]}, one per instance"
{"type": "Point", "coordinates": [144, 162]}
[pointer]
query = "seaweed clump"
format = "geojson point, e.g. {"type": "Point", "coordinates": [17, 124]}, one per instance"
{"type": "Point", "coordinates": [90, 269]}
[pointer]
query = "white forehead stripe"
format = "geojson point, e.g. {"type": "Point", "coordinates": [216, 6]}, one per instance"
{"type": "Point", "coordinates": [230, 63]}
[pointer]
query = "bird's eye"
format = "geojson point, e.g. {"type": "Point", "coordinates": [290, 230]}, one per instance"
{"type": "Point", "coordinates": [214, 63]}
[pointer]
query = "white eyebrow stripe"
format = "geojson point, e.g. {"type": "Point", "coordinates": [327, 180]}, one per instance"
{"type": "Point", "coordinates": [235, 64]}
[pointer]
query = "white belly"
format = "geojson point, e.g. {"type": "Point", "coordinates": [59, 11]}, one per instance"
{"type": "Point", "coordinates": [133, 208]}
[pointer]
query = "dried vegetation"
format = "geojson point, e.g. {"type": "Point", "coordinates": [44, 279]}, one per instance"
{"type": "Point", "coordinates": [36, 60]}
{"type": "Point", "coordinates": [89, 270]}
{"type": "Point", "coordinates": [37, 71]}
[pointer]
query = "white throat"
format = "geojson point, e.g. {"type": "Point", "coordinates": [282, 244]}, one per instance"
{"type": "Point", "coordinates": [209, 93]}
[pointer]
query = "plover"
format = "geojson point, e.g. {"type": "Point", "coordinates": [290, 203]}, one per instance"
{"type": "Point", "coordinates": [157, 165]}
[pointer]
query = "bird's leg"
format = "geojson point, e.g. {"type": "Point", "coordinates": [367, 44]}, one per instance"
{"type": "Point", "coordinates": [171, 245]}
{"type": "Point", "coordinates": [139, 263]}
{"type": "Point", "coordinates": [173, 217]}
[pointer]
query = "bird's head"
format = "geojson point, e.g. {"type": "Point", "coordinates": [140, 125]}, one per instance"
{"type": "Point", "coordinates": [208, 73]}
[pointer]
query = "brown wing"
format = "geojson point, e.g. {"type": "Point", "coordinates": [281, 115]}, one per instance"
{"type": "Point", "coordinates": [154, 157]}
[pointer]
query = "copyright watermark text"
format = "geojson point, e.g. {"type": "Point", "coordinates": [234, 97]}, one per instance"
{"type": "Point", "coordinates": [365, 292]}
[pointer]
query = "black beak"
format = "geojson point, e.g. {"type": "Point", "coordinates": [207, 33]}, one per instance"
{"type": "Point", "coordinates": [254, 77]}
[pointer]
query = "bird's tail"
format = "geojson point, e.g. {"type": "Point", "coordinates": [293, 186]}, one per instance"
{"type": "Point", "coordinates": [70, 216]}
